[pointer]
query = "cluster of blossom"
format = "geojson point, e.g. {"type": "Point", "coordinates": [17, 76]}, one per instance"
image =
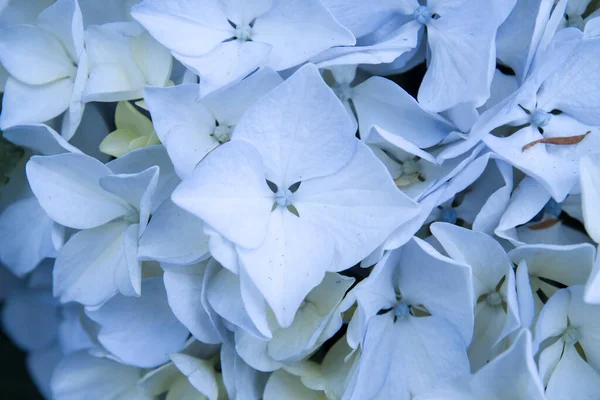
{"type": "Point", "coordinates": [238, 199]}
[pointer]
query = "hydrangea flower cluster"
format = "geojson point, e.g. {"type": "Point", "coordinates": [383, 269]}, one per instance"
{"type": "Point", "coordinates": [302, 199]}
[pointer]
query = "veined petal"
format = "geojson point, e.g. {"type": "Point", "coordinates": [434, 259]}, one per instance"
{"type": "Point", "coordinates": [435, 284]}
{"type": "Point", "coordinates": [437, 345]}
{"type": "Point", "coordinates": [229, 192]}
{"type": "Point", "coordinates": [381, 102]}
{"type": "Point", "coordinates": [359, 206]}
{"type": "Point", "coordinates": [574, 87]}
{"type": "Point", "coordinates": [67, 186]}
{"type": "Point", "coordinates": [182, 124]}
{"type": "Point", "coordinates": [300, 128]}
{"type": "Point", "coordinates": [527, 20]}
{"type": "Point", "coordinates": [299, 30]}
{"type": "Point", "coordinates": [374, 364]}
{"type": "Point", "coordinates": [229, 105]}
{"type": "Point", "coordinates": [361, 17]}
{"type": "Point", "coordinates": [462, 57]}
{"type": "Point", "coordinates": [227, 64]}
{"type": "Point", "coordinates": [486, 257]}
{"type": "Point", "coordinates": [174, 23]}
{"type": "Point", "coordinates": [291, 261]}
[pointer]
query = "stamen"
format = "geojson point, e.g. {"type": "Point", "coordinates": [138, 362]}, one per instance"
{"type": "Point", "coordinates": [494, 299]}
{"type": "Point", "coordinates": [222, 133]}
{"type": "Point", "coordinates": [422, 14]}
{"type": "Point", "coordinates": [571, 336]}
{"type": "Point", "coordinates": [243, 33]}
{"type": "Point", "coordinates": [541, 118]}
{"type": "Point", "coordinates": [402, 310]}
{"type": "Point", "coordinates": [283, 197]}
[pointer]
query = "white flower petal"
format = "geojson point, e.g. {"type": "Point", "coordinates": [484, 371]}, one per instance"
{"type": "Point", "coordinates": [25, 236]}
{"type": "Point", "coordinates": [294, 39]}
{"type": "Point", "coordinates": [140, 331]}
{"type": "Point", "coordinates": [359, 206]}
{"type": "Point", "coordinates": [229, 192]}
{"type": "Point", "coordinates": [81, 376]}
{"type": "Point", "coordinates": [31, 104]}
{"type": "Point", "coordinates": [67, 187]}
{"type": "Point", "coordinates": [227, 64]}
{"type": "Point", "coordinates": [300, 128]}
{"type": "Point", "coordinates": [86, 265]}
{"type": "Point", "coordinates": [174, 23]}
{"type": "Point", "coordinates": [291, 261]}
{"type": "Point", "coordinates": [200, 373]}
{"type": "Point", "coordinates": [40, 139]}
{"type": "Point", "coordinates": [174, 236]}
{"type": "Point", "coordinates": [283, 385]}
{"type": "Point", "coordinates": [184, 286]}
{"type": "Point", "coordinates": [182, 124]}
{"type": "Point", "coordinates": [572, 378]}
{"type": "Point", "coordinates": [33, 56]}
{"type": "Point", "coordinates": [31, 318]}
{"type": "Point", "coordinates": [590, 194]}
{"type": "Point", "coordinates": [381, 102]}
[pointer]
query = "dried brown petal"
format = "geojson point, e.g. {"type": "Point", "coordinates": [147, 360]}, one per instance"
{"type": "Point", "coordinates": [557, 140]}
{"type": "Point", "coordinates": [544, 224]}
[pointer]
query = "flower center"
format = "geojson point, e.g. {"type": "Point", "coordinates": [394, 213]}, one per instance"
{"type": "Point", "coordinates": [494, 299]}
{"type": "Point", "coordinates": [540, 118]}
{"type": "Point", "coordinates": [222, 133]}
{"type": "Point", "coordinates": [283, 197]}
{"type": "Point", "coordinates": [402, 310]}
{"type": "Point", "coordinates": [571, 336]}
{"type": "Point", "coordinates": [422, 14]}
{"type": "Point", "coordinates": [411, 172]}
{"type": "Point", "coordinates": [575, 20]}
{"type": "Point", "coordinates": [243, 33]}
